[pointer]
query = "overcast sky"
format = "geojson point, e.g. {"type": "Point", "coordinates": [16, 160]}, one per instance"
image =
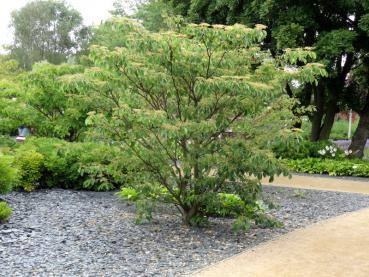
{"type": "Point", "coordinates": [92, 12]}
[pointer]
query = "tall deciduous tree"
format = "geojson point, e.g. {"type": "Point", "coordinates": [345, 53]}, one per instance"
{"type": "Point", "coordinates": [153, 14]}
{"type": "Point", "coordinates": [118, 8]}
{"type": "Point", "coordinates": [335, 28]}
{"type": "Point", "coordinates": [46, 30]}
{"type": "Point", "coordinates": [193, 114]}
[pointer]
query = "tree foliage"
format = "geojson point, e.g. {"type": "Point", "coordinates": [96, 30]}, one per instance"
{"type": "Point", "coordinates": [55, 108]}
{"type": "Point", "coordinates": [337, 29]}
{"type": "Point", "coordinates": [46, 30]}
{"type": "Point", "coordinates": [11, 111]}
{"type": "Point", "coordinates": [192, 113]}
{"type": "Point", "coordinates": [153, 15]}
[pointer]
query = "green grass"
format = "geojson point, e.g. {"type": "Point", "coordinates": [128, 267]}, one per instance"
{"type": "Point", "coordinates": [339, 129]}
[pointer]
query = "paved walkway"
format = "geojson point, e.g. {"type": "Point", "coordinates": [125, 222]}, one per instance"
{"type": "Point", "coordinates": [322, 183]}
{"type": "Point", "coordinates": [335, 247]}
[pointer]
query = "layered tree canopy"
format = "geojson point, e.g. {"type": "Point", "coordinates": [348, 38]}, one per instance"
{"type": "Point", "coordinates": [338, 31]}
{"type": "Point", "coordinates": [196, 107]}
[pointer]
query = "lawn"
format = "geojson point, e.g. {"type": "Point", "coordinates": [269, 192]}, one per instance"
{"type": "Point", "coordinates": [339, 129]}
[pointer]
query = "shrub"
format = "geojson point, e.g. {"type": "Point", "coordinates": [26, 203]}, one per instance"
{"type": "Point", "coordinates": [219, 205]}
{"type": "Point", "coordinates": [92, 166]}
{"type": "Point", "coordinates": [145, 198]}
{"type": "Point", "coordinates": [191, 113]}
{"type": "Point", "coordinates": [29, 165]}
{"type": "Point", "coordinates": [331, 167]}
{"type": "Point", "coordinates": [5, 211]}
{"type": "Point", "coordinates": [8, 174]}
{"type": "Point", "coordinates": [223, 205]}
{"type": "Point", "coordinates": [6, 141]}
{"type": "Point", "coordinates": [101, 167]}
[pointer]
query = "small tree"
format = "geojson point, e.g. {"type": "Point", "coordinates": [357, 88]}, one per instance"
{"type": "Point", "coordinates": [54, 107]}
{"type": "Point", "coordinates": [197, 109]}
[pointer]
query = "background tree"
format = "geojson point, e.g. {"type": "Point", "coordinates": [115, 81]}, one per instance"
{"type": "Point", "coordinates": [53, 107]}
{"type": "Point", "coordinates": [118, 8]}
{"type": "Point", "coordinates": [11, 110]}
{"type": "Point", "coordinates": [46, 30]}
{"type": "Point", "coordinates": [181, 93]}
{"type": "Point", "coordinates": [357, 93]}
{"type": "Point", "coordinates": [153, 14]}
{"type": "Point", "coordinates": [335, 28]}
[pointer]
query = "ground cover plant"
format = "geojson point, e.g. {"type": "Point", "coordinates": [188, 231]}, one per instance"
{"type": "Point", "coordinates": [5, 211]}
{"type": "Point", "coordinates": [192, 115]}
{"type": "Point", "coordinates": [324, 157]}
{"type": "Point", "coordinates": [341, 167]}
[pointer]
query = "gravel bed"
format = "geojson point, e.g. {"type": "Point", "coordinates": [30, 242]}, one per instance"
{"type": "Point", "coordinates": [75, 233]}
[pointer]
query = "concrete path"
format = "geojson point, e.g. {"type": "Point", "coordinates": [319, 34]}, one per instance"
{"type": "Point", "coordinates": [322, 183]}
{"type": "Point", "coordinates": [335, 247]}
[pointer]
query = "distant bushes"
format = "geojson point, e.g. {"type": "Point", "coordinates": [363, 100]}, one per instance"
{"type": "Point", "coordinates": [51, 163]}
{"type": "Point", "coordinates": [319, 158]}
{"type": "Point", "coordinates": [300, 149]}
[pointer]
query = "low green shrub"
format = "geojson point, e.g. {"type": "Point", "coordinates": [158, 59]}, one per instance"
{"type": "Point", "coordinates": [266, 221]}
{"type": "Point", "coordinates": [8, 174]}
{"type": "Point", "coordinates": [55, 168]}
{"type": "Point", "coordinates": [29, 165]}
{"type": "Point", "coordinates": [223, 205]}
{"type": "Point", "coordinates": [5, 211]}
{"type": "Point", "coordinates": [83, 165]}
{"type": "Point", "coordinates": [101, 167]}
{"type": "Point", "coordinates": [341, 167]}
{"type": "Point", "coordinates": [216, 205]}
{"type": "Point", "coordinates": [145, 198]}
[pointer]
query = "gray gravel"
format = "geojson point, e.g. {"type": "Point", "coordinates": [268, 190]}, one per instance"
{"type": "Point", "coordinates": [75, 233]}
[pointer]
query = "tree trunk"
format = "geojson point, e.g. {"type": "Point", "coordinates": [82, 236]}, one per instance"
{"type": "Point", "coordinates": [361, 134]}
{"type": "Point", "coordinates": [187, 215]}
{"type": "Point", "coordinates": [330, 114]}
{"type": "Point", "coordinates": [318, 114]}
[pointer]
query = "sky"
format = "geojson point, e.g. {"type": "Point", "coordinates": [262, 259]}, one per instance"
{"type": "Point", "coordinates": [92, 12]}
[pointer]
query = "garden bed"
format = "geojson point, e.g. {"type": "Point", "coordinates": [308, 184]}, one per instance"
{"type": "Point", "coordinates": [75, 233]}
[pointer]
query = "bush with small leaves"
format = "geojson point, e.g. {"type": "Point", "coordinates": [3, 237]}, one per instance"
{"type": "Point", "coordinates": [29, 165]}
{"type": "Point", "coordinates": [82, 165]}
{"type": "Point", "coordinates": [8, 174]}
{"type": "Point", "coordinates": [5, 212]}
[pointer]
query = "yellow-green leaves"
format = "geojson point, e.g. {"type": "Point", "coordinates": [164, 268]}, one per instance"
{"type": "Point", "coordinates": [197, 106]}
